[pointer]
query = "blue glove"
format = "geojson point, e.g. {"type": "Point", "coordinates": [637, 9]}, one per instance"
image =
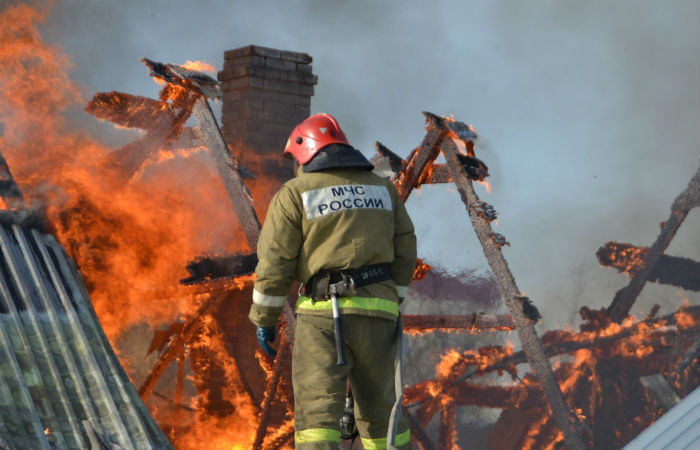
{"type": "Point", "coordinates": [265, 335]}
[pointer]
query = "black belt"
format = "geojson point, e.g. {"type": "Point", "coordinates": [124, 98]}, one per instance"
{"type": "Point", "coordinates": [317, 286]}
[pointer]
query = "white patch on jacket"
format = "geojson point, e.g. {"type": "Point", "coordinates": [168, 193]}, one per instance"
{"type": "Point", "coordinates": [331, 199]}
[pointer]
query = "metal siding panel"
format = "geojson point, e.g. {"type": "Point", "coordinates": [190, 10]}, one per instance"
{"type": "Point", "coordinates": [143, 431]}
{"type": "Point", "coordinates": [672, 431]}
{"type": "Point", "coordinates": [693, 445]}
{"type": "Point", "coordinates": [34, 321]}
{"type": "Point", "coordinates": [683, 418]}
{"type": "Point", "coordinates": [27, 404]}
{"type": "Point", "coordinates": [16, 263]}
{"type": "Point", "coordinates": [9, 288]}
{"type": "Point", "coordinates": [46, 309]}
{"type": "Point", "coordinates": [96, 398]}
{"type": "Point", "coordinates": [682, 437]}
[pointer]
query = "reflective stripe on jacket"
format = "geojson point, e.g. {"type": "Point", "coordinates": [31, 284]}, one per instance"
{"type": "Point", "coordinates": [334, 219]}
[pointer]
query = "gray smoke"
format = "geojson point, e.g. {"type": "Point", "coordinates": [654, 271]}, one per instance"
{"type": "Point", "coordinates": [589, 111]}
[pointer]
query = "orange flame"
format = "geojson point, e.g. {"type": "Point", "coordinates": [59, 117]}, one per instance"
{"type": "Point", "coordinates": [131, 238]}
{"type": "Point", "coordinates": [199, 66]}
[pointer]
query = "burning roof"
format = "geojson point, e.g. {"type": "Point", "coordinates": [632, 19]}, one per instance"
{"type": "Point", "coordinates": [135, 219]}
{"type": "Point", "coordinates": [61, 384]}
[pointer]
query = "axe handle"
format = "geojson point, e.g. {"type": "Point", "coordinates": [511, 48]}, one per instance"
{"type": "Point", "coordinates": [338, 331]}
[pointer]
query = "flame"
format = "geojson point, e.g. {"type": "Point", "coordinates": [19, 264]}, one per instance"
{"type": "Point", "coordinates": [421, 270]}
{"type": "Point", "coordinates": [684, 320]}
{"type": "Point", "coordinates": [131, 237]}
{"type": "Point", "coordinates": [446, 365]}
{"type": "Point", "coordinates": [625, 258]}
{"type": "Point", "coordinates": [47, 431]}
{"type": "Point", "coordinates": [199, 66]}
{"type": "Point", "coordinates": [486, 185]}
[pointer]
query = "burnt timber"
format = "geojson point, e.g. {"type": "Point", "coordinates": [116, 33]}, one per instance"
{"type": "Point", "coordinates": [682, 204]}
{"type": "Point", "coordinates": [442, 135]}
{"type": "Point", "coordinates": [676, 271]}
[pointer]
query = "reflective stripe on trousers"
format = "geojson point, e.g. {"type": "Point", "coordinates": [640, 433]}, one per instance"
{"type": "Point", "coordinates": [366, 303]}
{"type": "Point", "coordinates": [380, 443]}
{"type": "Point", "coordinates": [316, 435]}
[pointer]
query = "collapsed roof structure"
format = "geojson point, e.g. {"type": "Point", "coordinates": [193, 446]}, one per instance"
{"type": "Point", "coordinates": [563, 400]}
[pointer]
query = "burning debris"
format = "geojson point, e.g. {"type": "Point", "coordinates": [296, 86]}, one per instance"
{"type": "Point", "coordinates": [682, 204]}
{"type": "Point", "coordinates": [453, 139]}
{"type": "Point", "coordinates": [601, 352]}
{"type": "Point", "coordinates": [629, 259]}
{"type": "Point", "coordinates": [117, 235]}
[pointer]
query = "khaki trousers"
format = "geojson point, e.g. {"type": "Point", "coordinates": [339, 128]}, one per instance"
{"type": "Point", "coordinates": [319, 383]}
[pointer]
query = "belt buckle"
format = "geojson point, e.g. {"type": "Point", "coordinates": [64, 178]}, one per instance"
{"type": "Point", "coordinates": [344, 287]}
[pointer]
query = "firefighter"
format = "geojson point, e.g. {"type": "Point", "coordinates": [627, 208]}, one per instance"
{"type": "Point", "coordinates": [344, 233]}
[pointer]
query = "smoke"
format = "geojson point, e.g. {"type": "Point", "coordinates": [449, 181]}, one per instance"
{"type": "Point", "coordinates": [589, 109]}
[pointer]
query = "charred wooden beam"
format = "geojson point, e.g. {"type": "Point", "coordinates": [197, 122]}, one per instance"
{"type": "Point", "coordinates": [9, 190]}
{"type": "Point", "coordinates": [284, 355]}
{"type": "Point", "coordinates": [209, 267]}
{"type": "Point", "coordinates": [282, 437]}
{"type": "Point", "coordinates": [504, 278]}
{"type": "Point", "coordinates": [561, 342]}
{"type": "Point", "coordinates": [228, 170]}
{"type": "Point", "coordinates": [409, 178]}
{"type": "Point", "coordinates": [191, 80]}
{"type": "Point", "coordinates": [173, 403]}
{"type": "Point", "coordinates": [447, 433]}
{"type": "Point", "coordinates": [386, 160]}
{"type": "Point", "coordinates": [683, 203]}
{"type": "Point", "coordinates": [198, 87]}
{"type": "Point", "coordinates": [465, 393]}
{"type": "Point", "coordinates": [274, 378]}
{"type": "Point", "coordinates": [163, 121]}
{"type": "Point", "coordinates": [419, 324]}
{"type": "Point", "coordinates": [13, 209]}
{"type": "Point", "coordinates": [417, 431]}
{"type": "Point", "coordinates": [131, 111]}
{"type": "Point", "coordinates": [386, 157]}
{"type": "Point", "coordinates": [627, 258]}
{"type": "Point", "coordinates": [189, 329]}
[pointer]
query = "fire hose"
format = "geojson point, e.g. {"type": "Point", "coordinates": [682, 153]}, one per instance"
{"type": "Point", "coordinates": [398, 388]}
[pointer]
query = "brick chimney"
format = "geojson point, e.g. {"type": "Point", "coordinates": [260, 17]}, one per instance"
{"type": "Point", "coordinates": [266, 93]}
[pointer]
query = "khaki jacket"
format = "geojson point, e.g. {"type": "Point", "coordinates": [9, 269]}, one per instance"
{"type": "Point", "coordinates": [335, 219]}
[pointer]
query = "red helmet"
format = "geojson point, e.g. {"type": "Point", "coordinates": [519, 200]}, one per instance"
{"type": "Point", "coordinates": [310, 136]}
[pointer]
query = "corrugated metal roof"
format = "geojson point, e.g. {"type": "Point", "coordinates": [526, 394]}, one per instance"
{"type": "Point", "coordinates": [677, 429]}
{"type": "Point", "coordinates": [61, 384]}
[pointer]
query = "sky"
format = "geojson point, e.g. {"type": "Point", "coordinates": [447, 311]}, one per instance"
{"type": "Point", "coordinates": [588, 112]}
